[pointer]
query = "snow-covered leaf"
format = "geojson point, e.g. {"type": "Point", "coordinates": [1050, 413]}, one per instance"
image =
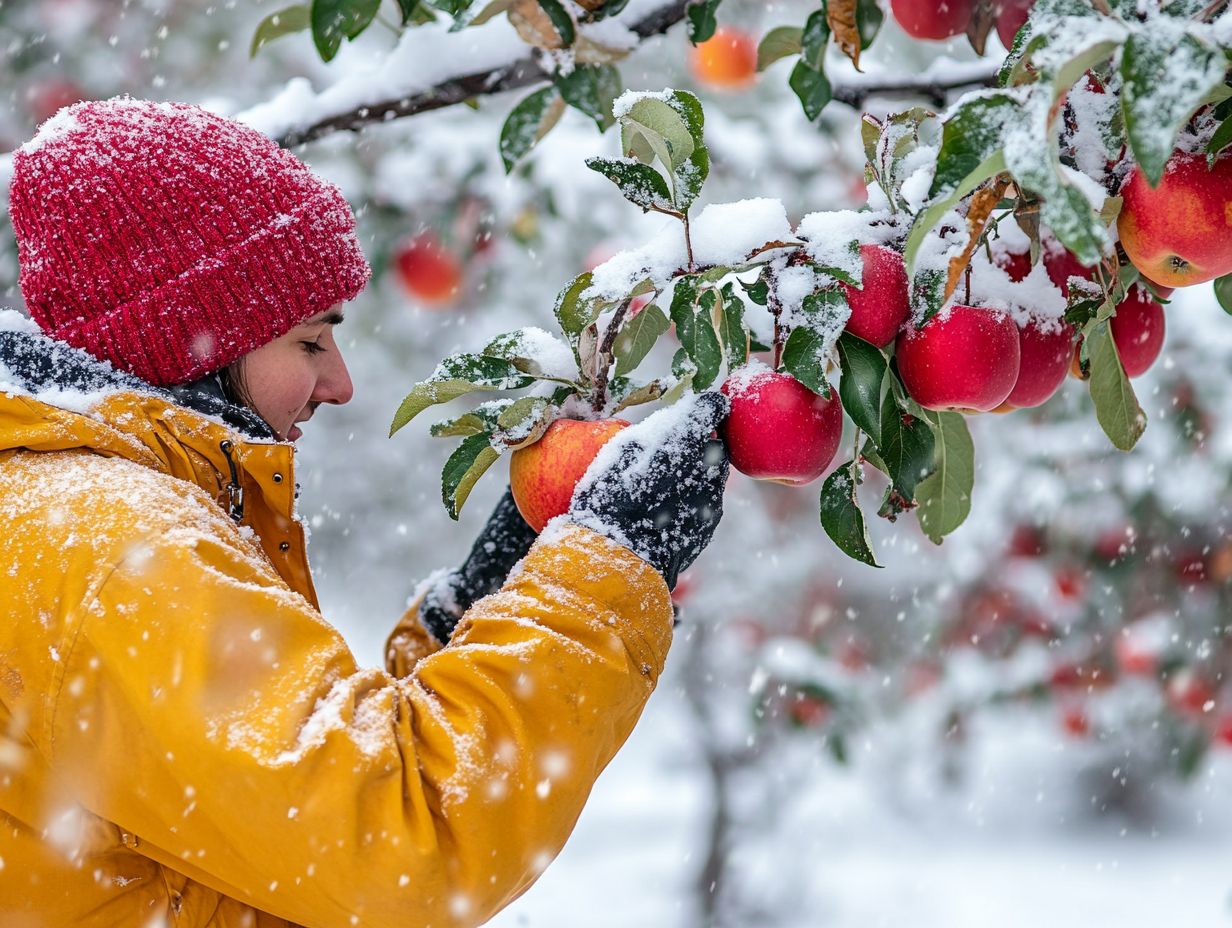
{"type": "Point", "coordinates": [591, 89]}
{"type": "Point", "coordinates": [456, 376]}
{"type": "Point", "coordinates": [841, 516]}
{"type": "Point", "coordinates": [1166, 74]}
{"type": "Point", "coordinates": [465, 466]}
{"type": "Point", "coordinates": [572, 311]}
{"type": "Point", "coordinates": [527, 123]}
{"type": "Point", "coordinates": [639, 183]}
{"type": "Point", "coordinates": [655, 126]}
{"type": "Point", "coordinates": [697, 337]}
{"type": "Point", "coordinates": [523, 422]}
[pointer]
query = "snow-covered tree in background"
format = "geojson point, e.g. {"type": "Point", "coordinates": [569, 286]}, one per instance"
{"type": "Point", "coordinates": [1079, 584]}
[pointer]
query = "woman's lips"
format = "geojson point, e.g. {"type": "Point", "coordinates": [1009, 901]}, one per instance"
{"type": "Point", "coordinates": [295, 433]}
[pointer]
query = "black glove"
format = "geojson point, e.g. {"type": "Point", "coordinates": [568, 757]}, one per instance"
{"type": "Point", "coordinates": [504, 541]}
{"type": "Point", "coordinates": [662, 496]}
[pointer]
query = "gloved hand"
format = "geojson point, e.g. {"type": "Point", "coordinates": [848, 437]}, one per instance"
{"type": "Point", "coordinates": [504, 541]}
{"type": "Point", "coordinates": [657, 487]}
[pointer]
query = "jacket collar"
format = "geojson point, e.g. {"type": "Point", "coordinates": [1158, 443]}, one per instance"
{"type": "Point", "coordinates": [54, 397]}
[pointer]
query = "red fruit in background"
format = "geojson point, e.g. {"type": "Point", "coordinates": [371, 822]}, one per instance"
{"type": "Point", "coordinates": [932, 19]}
{"type": "Point", "coordinates": [1010, 17]}
{"type": "Point", "coordinates": [879, 310]}
{"type": "Point", "coordinates": [1189, 694]}
{"type": "Point", "coordinates": [544, 475]}
{"type": "Point", "coordinates": [1179, 233]}
{"type": "Point", "coordinates": [809, 711]}
{"type": "Point", "coordinates": [727, 60]}
{"type": "Point", "coordinates": [45, 98]}
{"type": "Point", "coordinates": [1223, 730]}
{"type": "Point", "coordinates": [1138, 330]}
{"type": "Point", "coordinates": [1069, 582]}
{"type": "Point", "coordinates": [428, 270]}
{"type": "Point", "coordinates": [1075, 722]}
{"type": "Point", "coordinates": [1045, 356]}
{"type": "Point", "coordinates": [1191, 568]}
{"type": "Point", "coordinates": [1027, 541]}
{"type": "Point", "coordinates": [967, 360]}
{"type": "Point", "coordinates": [779, 429]}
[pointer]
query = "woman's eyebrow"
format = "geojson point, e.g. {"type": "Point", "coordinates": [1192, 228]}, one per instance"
{"type": "Point", "coordinates": [334, 317]}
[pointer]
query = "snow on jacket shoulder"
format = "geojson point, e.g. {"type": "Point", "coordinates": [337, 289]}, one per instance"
{"type": "Point", "coordinates": [183, 735]}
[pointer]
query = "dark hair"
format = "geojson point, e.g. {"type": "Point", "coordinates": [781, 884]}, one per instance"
{"type": "Point", "coordinates": [235, 386]}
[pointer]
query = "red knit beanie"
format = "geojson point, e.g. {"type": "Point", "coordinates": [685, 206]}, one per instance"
{"type": "Point", "coordinates": [170, 241]}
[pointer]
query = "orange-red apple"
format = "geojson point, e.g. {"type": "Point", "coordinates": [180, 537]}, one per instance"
{"type": "Point", "coordinates": [1044, 355]}
{"type": "Point", "coordinates": [1179, 233]}
{"type": "Point", "coordinates": [880, 308]}
{"type": "Point", "coordinates": [967, 359]}
{"type": "Point", "coordinates": [779, 429]}
{"type": "Point", "coordinates": [429, 271]}
{"type": "Point", "coordinates": [727, 60]}
{"type": "Point", "coordinates": [932, 19]}
{"type": "Point", "coordinates": [543, 476]}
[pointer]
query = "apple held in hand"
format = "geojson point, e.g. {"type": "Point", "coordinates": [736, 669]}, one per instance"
{"type": "Point", "coordinates": [967, 359]}
{"type": "Point", "coordinates": [1044, 360]}
{"type": "Point", "coordinates": [543, 476]}
{"type": "Point", "coordinates": [932, 19]}
{"type": "Point", "coordinates": [880, 308]}
{"type": "Point", "coordinates": [1179, 233]}
{"type": "Point", "coordinates": [778, 428]}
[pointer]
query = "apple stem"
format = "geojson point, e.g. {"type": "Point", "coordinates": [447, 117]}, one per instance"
{"type": "Point", "coordinates": [606, 351]}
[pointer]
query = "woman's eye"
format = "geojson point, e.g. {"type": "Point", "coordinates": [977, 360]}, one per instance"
{"type": "Point", "coordinates": [313, 347]}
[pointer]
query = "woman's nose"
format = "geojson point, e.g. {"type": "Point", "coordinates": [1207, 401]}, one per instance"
{"type": "Point", "coordinates": [335, 384]}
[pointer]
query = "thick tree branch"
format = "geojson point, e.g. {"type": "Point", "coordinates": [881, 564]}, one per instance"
{"type": "Point", "coordinates": [521, 73]}
{"type": "Point", "coordinates": [936, 91]}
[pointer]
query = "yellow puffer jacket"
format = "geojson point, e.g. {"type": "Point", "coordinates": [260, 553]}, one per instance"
{"type": "Point", "coordinates": [184, 740]}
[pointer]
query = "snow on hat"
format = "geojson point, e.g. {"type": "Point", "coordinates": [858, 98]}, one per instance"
{"type": "Point", "coordinates": [170, 241]}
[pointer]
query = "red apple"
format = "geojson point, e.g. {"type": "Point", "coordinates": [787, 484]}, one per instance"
{"type": "Point", "coordinates": [779, 429]}
{"type": "Point", "coordinates": [1062, 264]}
{"type": "Point", "coordinates": [1075, 722]}
{"type": "Point", "coordinates": [1045, 360]}
{"type": "Point", "coordinates": [1010, 17]}
{"type": "Point", "coordinates": [1189, 694]}
{"type": "Point", "coordinates": [46, 98]}
{"type": "Point", "coordinates": [881, 305]}
{"type": "Point", "coordinates": [428, 270]}
{"type": "Point", "coordinates": [967, 359]}
{"type": "Point", "coordinates": [544, 475]}
{"type": "Point", "coordinates": [1179, 233]}
{"type": "Point", "coordinates": [932, 19]}
{"type": "Point", "coordinates": [1138, 330]}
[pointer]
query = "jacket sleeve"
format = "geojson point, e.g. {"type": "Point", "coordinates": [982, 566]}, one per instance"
{"type": "Point", "coordinates": [210, 711]}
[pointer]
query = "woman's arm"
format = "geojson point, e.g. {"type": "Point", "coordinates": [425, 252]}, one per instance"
{"type": "Point", "coordinates": [212, 712]}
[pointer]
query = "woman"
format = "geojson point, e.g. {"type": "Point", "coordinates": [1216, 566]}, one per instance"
{"type": "Point", "coordinates": [183, 738]}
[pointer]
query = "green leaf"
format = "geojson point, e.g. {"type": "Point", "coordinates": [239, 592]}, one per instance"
{"type": "Point", "coordinates": [334, 20]}
{"type": "Point", "coordinates": [813, 89]}
{"type": "Point", "coordinates": [814, 39]}
{"type": "Point", "coordinates": [859, 388]}
{"type": "Point", "coordinates": [803, 358]}
{"type": "Point", "coordinates": [591, 89]}
{"type": "Point", "coordinates": [1116, 406]}
{"type": "Point", "coordinates": [841, 516]}
{"type": "Point", "coordinates": [1166, 74]}
{"type": "Point", "coordinates": [759, 290]}
{"type": "Point", "coordinates": [572, 311]}
{"type": "Point", "coordinates": [655, 126]}
{"type": "Point", "coordinates": [906, 448]}
{"type": "Point", "coordinates": [520, 349]}
{"type": "Point", "coordinates": [466, 465]}
{"type": "Point", "coordinates": [527, 123]}
{"type": "Point", "coordinates": [637, 337]}
{"type": "Point", "coordinates": [282, 22]}
{"type": "Point", "coordinates": [696, 332]}
{"type": "Point", "coordinates": [523, 421]}
{"type": "Point", "coordinates": [646, 393]}
{"type": "Point", "coordinates": [562, 22]}
{"type": "Point", "coordinates": [457, 376]}
{"type": "Point", "coordinates": [869, 18]}
{"type": "Point", "coordinates": [1223, 293]}
{"type": "Point", "coordinates": [640, 184]}
{"type": "Point", "coordinates": [491, 11]}
{"type": "Point", "coordinates": [689, 176]}
{"type": "Point", "coordinates": [1220, 140]}
{"type": "Point", "coordinates": [702, 19]}
{"type": "Point", "coordinates": [971, 135]}
{"type": "Point", "coordinates": [733, 331]}
{"type": "Point", "coordinates": [608, 10]}
{"type": "Point", "coordinates": [407, 10]}
{"type": "Point", "coordinates": [777, 44]}
{"type": "Point", "coordinates": [944, 496]}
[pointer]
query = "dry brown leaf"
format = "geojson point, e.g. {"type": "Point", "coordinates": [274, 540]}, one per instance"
{"type": "Point", "coordinates": [841, 16]}
{"type": "Point", "coordinates": [983, 18]}
{"type": "Point", "coordinates": [534, 26]}
{"type": "Point", "coordinates": [980, 209]}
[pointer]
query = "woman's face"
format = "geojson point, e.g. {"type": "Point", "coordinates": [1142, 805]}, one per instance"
{"type": "Point", "coordinates": [288, 378]}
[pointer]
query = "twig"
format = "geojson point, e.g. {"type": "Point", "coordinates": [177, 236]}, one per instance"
{"type": "Point", "coordinates": [688, 241]}
{"type": "Point", "coordinates": [776, 308]}
{"type": "Point", "coordinates": [599, 398]}
{"type": "Point", "coordinates": [521, 73]}
{"type": "Point", "coordinates": [936, 92]}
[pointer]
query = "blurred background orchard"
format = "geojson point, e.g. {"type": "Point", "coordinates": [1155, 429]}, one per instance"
{"type": "Point", "coordinates": [1030, 723]}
